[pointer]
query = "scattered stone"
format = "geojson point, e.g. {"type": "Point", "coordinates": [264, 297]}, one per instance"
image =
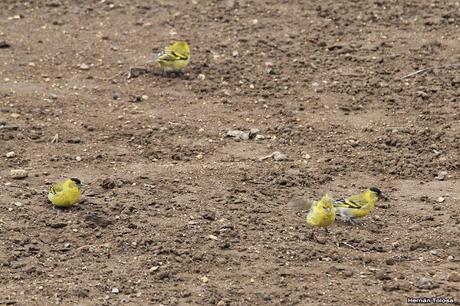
{"type": "Point", "coordinates": [84, 66]}
{"type": "Point", "coordinates": [115, 290]}
{"type": "Point", "coordinates": [260, 137]}
{"type": "Point", "coordinates": [199, 156]}
{"type": "Point", "coordinates": [212, 237]}
{"type": "Point", "coordinates": [145, 97]}
{"type": "Point", "coordinates": [201, 77]}
{"type": "Point", "coordinates": [18, 204]}
{"type": "Point", "coordinates": [78, 158]}
{"type": "Point", "coordinates": [426, 283]}
{"type": "Point", "coordinates": [4, 44]}
{"type": "Point", "coordinates": [253, 133]}
{"type": "Point", "coordinates": [441, 199]}
{"type": "Point", "coordinates": [454, 277]}
{"type": "Point", "coordinates": [237, 134]}
{"type": "Point", "coordinates": [307, 156]}
{"type": "Point", "coordinates": [10, 154]}
{"type": "Point", "coordinates": [235, 53]}
{"type": "Point", "coordinates": [15, 115]}
{"type": "Point", "coordinates": [154, 269]}
{"type": "Point", "coordinates": [204, 279]}
{"type": "Point", "coordinates": [18, 174]}
{"type": "Point", "coordinates": [441, 175]}
{"type": "Point", "coordinates": [277, 156]}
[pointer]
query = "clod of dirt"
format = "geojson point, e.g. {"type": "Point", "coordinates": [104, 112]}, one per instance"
{"type": "Point", "coordinates": [18, 174]}
{"type": "Point", "coordinates": [454, 277]}
{"type": "Point", "coordinates": [4, 45]}
{"type": "Point", "coordinates": [134, 72]}
{"type": "Point", "coordinates": [382, 275]}
{"type": "Point", "coordinates": [108, 183]}
{"type": "Point", "coordinates": [96, 220]}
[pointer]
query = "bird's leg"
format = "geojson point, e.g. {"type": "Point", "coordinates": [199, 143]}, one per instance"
{"type": "Point", "coordinates": [326, 230]}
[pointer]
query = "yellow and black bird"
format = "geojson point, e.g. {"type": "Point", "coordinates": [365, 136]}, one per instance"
{"type": "Point", "coordinates": [174, 58]}
{"type": "Point", "coordinates": [357, 206]}
{"type": "Point", "coordinates": [66, 193]}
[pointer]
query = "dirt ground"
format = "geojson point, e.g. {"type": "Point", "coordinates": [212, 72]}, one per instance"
{"type": "Point", "coordinates": [174, 212]}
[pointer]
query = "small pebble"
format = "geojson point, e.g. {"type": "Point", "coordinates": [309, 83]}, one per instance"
{"type": "Point", "coordinates": [441, 199]}
{"type": "Point", "coordinates": [115, 290]}
{"type": "Point", "coordinates": [154, 269]}
{"type": "Point", "coordinates": [212, 237]}
{"type": "Point", "coordinates": [201, 77]}
{"type": "Point", "coordinates": [204, 279]}
{"type": "Point", "coordinates": [278, 156]}
{"type": "Point", "coordinates": [18, 174]}
{"type": "Point", "coordinates": [10, 154]}
{"type": "Point", "coordinates": [78, 158]}
{"type": "Point", "coordinates": [145, 97]}
{"type": "Point", "coordinates": [84, 67]}
{"type": "Point", "coordinates": [441, 175]}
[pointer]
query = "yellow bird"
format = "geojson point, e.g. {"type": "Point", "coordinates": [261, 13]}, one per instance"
{"type": "Point", "coordinates": [322, 213]}
{"type": "Point", "coordinates": [357, 206]}
{"type": "Point", "coordinates": [175, 57]}
{"type": "Point", "coordinates": [65, 194]}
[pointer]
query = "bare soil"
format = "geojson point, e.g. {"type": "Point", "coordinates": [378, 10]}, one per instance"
{"type": "Point", "coordinates": [174, 212]}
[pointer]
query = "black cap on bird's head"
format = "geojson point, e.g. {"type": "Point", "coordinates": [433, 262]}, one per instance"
{"type": "Point", "coordinates": [377, 191]}
{"type": "Point", "coordinates": [77, 181]}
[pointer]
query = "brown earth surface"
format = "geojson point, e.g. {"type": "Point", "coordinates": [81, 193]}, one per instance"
{"type": "Point", "coordinates": [174, 212]}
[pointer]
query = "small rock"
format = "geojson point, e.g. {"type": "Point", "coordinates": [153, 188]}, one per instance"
{"type": "Point", "coordinates": [441, 175]}
{"type": "Point", "coordinates": [199, 156]}
{"type": "Point", "coordinates": [83, 67]}
{"type": "Point", "coordinates": [204, 279]}
{"type": "Point", "coordinates": [454, 277]}
{"type": "Point", "coordinates": [115, 290]}
{"type": "Point", "coordinates": [238, 134]}
{"type": "Point", "coordinates": [433, 252]}
{"type": "Point", "coordinates": [18, 204]}
{"type": "Point", "coordinates": [145, 97]}
{"type": "Point", "coordinates": [18, 174]}
{"type": "Point", "coordinates": [441, 199]}
{"type": "Point", "coordinates": [260, 137]}
{"type": "Point", "coordinates": [154, 269]}
{"type": "Point", "coordinates": [10, 154]}
{"type": "Point", "coordinates": [307, 156]}
{"type": "Point", "coordinates": [221, 303]}
{"type": "Point", "coordinates": [201, 77]}
{"type": "Point", "coordinates": [426, 283]}
{"type": "Point", "coordinates": [278, 156]}
{"type": "Point", "coordinates": [253, 133]}
{"type": "Point", "coordinates": [15, 115]}
{"type": "Point", "coordinates": [78, 158]}
{"type": "Point", "coordinates": [212, 237]}
{"type": "Point", "coordinates": [450, 258]}
{"type": "Point", "coordinates": [235, 53]}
